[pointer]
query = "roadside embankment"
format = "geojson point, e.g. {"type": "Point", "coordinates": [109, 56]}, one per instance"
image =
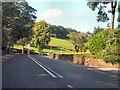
{"type": "Point", "coordinates": [83, 60]}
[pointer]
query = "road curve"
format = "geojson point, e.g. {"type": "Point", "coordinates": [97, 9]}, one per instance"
{"type": "Point", "coordinates": [35, 71]}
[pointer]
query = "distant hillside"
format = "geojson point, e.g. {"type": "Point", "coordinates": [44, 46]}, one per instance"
{"type": "Point", "coordinates": [60, 32]}
{"type": "Point", "coordinates": [61, 43]}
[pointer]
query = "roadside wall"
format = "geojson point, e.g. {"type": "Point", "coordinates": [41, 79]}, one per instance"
{"type": "Point", "coordinates": [91, 61]}
{"type": "Point", "coordinates": [64, 57]}
{"type": "Point", "coordinates": [83, 60]}
{"type": "Point", "coordinates": [52, 55]}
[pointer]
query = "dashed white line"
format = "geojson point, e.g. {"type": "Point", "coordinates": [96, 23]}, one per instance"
{"type": "Point", "coordinates": [43, 68]}
{"type": "Point", "coordinates": [69, 86]}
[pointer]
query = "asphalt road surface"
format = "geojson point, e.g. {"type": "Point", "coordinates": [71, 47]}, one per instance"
{"type": "Point", "coordinates": [35, 71]}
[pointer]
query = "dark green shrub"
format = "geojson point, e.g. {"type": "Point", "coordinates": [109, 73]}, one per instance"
{"type": "Point", "coordinates": [112, 59]}
{"type": "Point", "coordinates": [98, 42]}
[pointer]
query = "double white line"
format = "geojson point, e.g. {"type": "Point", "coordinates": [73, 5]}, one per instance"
{"type": "Point", "coordinates": [48, 70]}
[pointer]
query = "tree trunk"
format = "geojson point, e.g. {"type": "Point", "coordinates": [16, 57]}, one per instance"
{"type": "Point", "coordinates": [113, 7]}
{"type": "Point", "coordinates": [23, 50]}
{"type": "Point", "coordinates": [112, 21]}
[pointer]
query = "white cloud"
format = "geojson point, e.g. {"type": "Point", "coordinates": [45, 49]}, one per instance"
{"type": "Point", "coordinates": [51, 13]}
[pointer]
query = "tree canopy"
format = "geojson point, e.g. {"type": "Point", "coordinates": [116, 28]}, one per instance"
{"type": "Point", "coordinates": [102, 13]}
{"type": "Point", "coordinates": [78, 40]}
{"type": "Point", "coordinates": [17, 21]}
{"type": "Point", "coordinates": [41, 36]}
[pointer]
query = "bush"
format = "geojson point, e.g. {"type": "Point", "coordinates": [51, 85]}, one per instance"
{"type": "Point", "coordinates": [105, 44]}
{"type": "Point", "coordinates": [98, 42]}
{"type": "Point", "coordinates": [112, 59]}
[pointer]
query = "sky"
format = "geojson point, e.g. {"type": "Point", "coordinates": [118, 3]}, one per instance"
{"type": "Point", "coordinates": [76, 15]}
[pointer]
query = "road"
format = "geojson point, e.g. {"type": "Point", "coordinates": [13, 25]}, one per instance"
{"type": "Point", "coordinates": [35, 71]}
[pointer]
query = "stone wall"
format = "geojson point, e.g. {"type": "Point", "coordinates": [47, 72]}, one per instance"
{"type": "Point", "coordinates": [91, 61]}
{"type": "Point", "coordinates": [83, 60]}
{"type": "Point", "coordinates": [64, 57]}
{"type": "Point", "coordinates": [52, 55]}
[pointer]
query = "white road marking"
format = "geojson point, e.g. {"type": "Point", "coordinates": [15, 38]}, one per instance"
{"type": "Point", "coordinates": [49, 69]}
{"type": "Point", "coordinates": [69, 86]}
{"type": "Point", "coordinates": [43, 67]}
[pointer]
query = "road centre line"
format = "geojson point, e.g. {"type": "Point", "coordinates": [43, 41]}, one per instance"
{"type": "Point", "coordinates": [43, 67]}
{"type": "Point", "coordinates": [69, 86]}
{"type": "Point", "coordinates": [49, 69]}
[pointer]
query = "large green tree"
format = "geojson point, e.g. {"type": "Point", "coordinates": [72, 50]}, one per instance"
{"type": "Point", "coordinates": [18, 20]}
{"type": "Point", "coordinates": [8, 16]}
{"type": "Point", "coordinates": [102, 13]}
{"type": "Point", "coordinates": [41, 36]}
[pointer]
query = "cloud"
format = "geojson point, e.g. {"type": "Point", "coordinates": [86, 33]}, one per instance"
{"type": "Point", "coordinates": [51, 13]}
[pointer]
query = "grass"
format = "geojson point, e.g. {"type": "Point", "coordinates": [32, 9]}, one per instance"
{"type": "Point", "coordinates": [58, 45]}
{"type": "Point", "coordinates": [61, 43]}
{"type": "Point", "coordinates": [46, 50]}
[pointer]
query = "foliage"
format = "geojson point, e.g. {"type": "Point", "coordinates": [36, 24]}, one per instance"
{"type": "Point", "coordinates": [60, 32]}
{"type": "Point", "coordinates": [96, 30]}
{"type": "Point", "coordinates": [105, 44]}
{"type": "Point", "coordinates": [17, 21]}
{"type": "Point", "coordinates": [98, 42]}
{"type": "Point", "coordinates": [41, 36]}
{"type": "Point", "coordinates": [78, 40]}
{"type": "Point", "coordinates": [112, 59]}
{"type": "Point", "coordinates": [102, 11]}
{"type": "Point", "coordinates": [23, 41]}
{"type": "Point", "coordinates": [112, 47]}
{"type": "Point", "coordinates": [102, 15]}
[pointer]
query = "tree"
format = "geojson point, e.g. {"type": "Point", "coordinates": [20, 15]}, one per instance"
{"type": "Point", "coordinates": [98, 42]}
{"type": "Point", "coordinates": [25, 22]}
{"type": "Point", "coordinates": [118, 16]}
{"type": "Point", "coordinates": [112, 50]}
{"type": "Point", "coordinates": [8, 17]}
{"type": "Point", "coordinates": [41, 36]}
{"type": "Point", "coordinates": [96, 30]}
{"type": "Point", "coordinates": [78, 40]}
{"type": "Point", "coordinates": [18, 20]}
{"type": "Point", "coordinates": [102, 14]}
{"type": "Point", "coordinates": [60, 31]}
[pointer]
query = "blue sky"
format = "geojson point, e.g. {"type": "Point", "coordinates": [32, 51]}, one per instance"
{"type": "Point", "coordinates": [76, 15]}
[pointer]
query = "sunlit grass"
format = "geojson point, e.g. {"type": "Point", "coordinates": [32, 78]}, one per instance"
{"type": "Point", "coordinates": [58, 46]}
{"type": "Point", "coordinates": [66, 44]}
{"type": "Point", "coordinates": [53, 50]}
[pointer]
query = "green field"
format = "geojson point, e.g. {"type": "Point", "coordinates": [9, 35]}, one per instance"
{"type": "Point", "coordinates": [61, 43]}
{"type": "Point", "coordinates": [57, 45]}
